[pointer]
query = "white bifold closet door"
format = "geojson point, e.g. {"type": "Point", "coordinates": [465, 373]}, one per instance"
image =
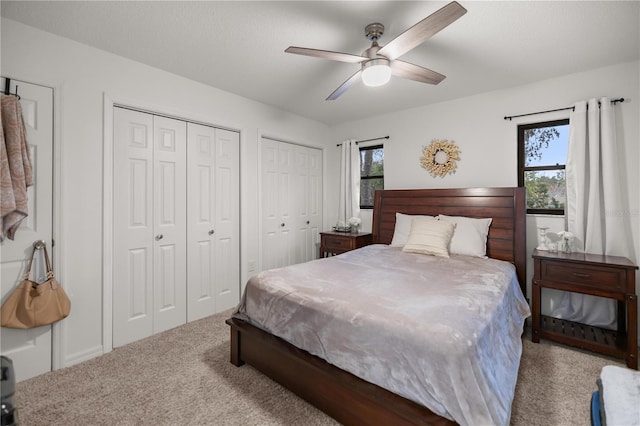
{"type": "Point", "coordinates": [307, 202]}
{"type": "Point", "coordinates": [213, 227]}
{"type": "Point", "coordinates": [149, 277]}
{"type": "Point", "coordinates": [176, 223]}
{"type": "Point", "coordinates": [291, 191]}
{"type": "Point", "coordinates": [277, 238]}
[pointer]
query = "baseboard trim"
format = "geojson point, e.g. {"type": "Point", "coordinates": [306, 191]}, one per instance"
{"type": "Point", "coordinates": [85, 355]}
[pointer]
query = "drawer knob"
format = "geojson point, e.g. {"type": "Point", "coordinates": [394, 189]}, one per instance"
{"type": "Point", "coordinates": [282, 224]}
{"type": "Point", "coordinates": [580, 275]}
{"type": "Point", "coordinates": [211, 232]}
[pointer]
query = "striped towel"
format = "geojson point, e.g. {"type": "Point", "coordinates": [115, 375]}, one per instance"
{"type": "Point", "coordinates": [16, 174]}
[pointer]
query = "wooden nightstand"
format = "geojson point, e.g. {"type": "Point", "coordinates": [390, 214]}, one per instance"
{"type": "Point", "coordinates": [612, 277]}
{"type": "Point", "coordinates": [332, 243]}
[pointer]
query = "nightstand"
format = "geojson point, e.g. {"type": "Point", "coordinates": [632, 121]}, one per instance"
{"type": "Point", "coordinates": [612, 277]}
{"type": "Point", "coordinates": [332, 243]}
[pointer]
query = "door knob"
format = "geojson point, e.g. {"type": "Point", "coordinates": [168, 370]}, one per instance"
{"type": "Point", "coordinates": [159, 237]}
{"type": "Point", "coordinates": [211, 231]}
{"type": "Point", "coordinates": [307, 222]}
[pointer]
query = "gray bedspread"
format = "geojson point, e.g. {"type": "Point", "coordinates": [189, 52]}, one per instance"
{"type": "Point", "coordinates": [444, 333]}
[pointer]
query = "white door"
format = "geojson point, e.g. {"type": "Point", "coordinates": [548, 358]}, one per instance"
{"type": "Point", "coordinates": [170, 223]}
{"type": "Point", "coordinates": [307, 202]}
{"type": "Point", "coordinates": [286, 203]}
{"type": "Point", "coordinates": [227, 229]}
{"type": "Point", "coordinates": [291, 191]}
{"type": "Point", "coordinates": [277, 196]}
{"type": "Point", "coordinates": [149, 290]}
{"type": "Point", "coordinates": [302, 222]}
{"type": "Point", "coordinates": [269, 195]}
{"type": "Point", "coordinates": [30, 350]}
{"type": "Point", "coordinates": [133, 226]}
{"type": "Point", "coordinates": [213, 229]}
{"type": "Point", "coordinates": [314, 209]}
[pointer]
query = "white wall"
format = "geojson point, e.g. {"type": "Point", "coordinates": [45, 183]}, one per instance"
{"type": "Point", "coordinates": [488, 143]}
{"type": "Point", "coordinates": [80, 76]}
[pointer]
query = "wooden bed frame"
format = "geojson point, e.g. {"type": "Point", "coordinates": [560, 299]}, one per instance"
{"type": "Point", "coordinates": [345, 397]}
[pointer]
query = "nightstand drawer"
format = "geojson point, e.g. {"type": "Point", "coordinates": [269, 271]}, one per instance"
{"type": "Point", "coordinates": [584, 275]}
{"type": "Point", "coordinates": [336, 243]}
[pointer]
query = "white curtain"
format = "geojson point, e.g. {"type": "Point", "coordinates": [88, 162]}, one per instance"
{"type": "Point", "coordinates": [349, 202]}
{"type": "Point", "coordinates": [595, 204]}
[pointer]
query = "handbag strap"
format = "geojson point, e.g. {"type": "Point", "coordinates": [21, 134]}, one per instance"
{"type": "Point", "coordinates": [48, 262]}
{"type": "Point", "coordinates": [28, 271]}
{"type": "Point", "coordinates": [37, 246]}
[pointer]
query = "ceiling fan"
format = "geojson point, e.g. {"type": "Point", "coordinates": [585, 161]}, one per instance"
{"type": "Point", "coordinates": [377, 64]}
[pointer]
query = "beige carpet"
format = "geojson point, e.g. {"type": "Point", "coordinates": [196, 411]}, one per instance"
{"type": "Point", "coordinates": [183, 377]}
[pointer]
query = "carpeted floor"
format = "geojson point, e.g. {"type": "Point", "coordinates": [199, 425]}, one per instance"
{"type": "Point", "coordinates": [183, 376]}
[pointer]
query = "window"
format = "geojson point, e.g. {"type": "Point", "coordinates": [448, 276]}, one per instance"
{"type": "Point", "coordinates": [542, 154]}
{"type": "Point", "coordinates": [371, 174]}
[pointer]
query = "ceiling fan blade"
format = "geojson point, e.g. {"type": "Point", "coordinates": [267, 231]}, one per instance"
{"type": "Point", "coordinates": [343, 88]}
{"type": "Point", "coordinates": [415, 72]}
{"type": "Point", "coordinates": [422, 31]}
{"type": "Point", "coordinates": [326, 54]}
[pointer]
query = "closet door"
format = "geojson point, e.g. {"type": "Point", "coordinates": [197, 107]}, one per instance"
{"type": "Point", "coordinates": [301, 212]}
{"type": "Point", "coordinates": [227, 229]}
{"type": "Point", "coordinates": [302, 237]}
{"type": "Point", "coordinates": [149, 277]}
{"type": "Point", "coordinates": [286, 204]}
{"type": "Point", "coordinates": [307, 202]}
{"type": "Point", "coordinates": [277, 162]}
{"type": "Point", "coordinates": [291, 203]}
{"type": "Point", "coordinates": [213, 229]}
{"type": "Point", "coordinates": [269, 195]}
{"type": "Point", "coordinates": [314, 208]}
{"type": "Point", "coordinates": [170, 223]}
{"type": "Point", "coordinates": [133, 226]}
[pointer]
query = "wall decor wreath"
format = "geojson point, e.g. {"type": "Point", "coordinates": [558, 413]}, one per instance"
{"type": "Point", "coordinates": [440, 157]}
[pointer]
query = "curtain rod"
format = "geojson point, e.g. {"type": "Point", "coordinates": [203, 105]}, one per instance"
{"type": "Point", "coordinates": [509, 117]}
{"type": "Point", "coordinates": [367, 140]}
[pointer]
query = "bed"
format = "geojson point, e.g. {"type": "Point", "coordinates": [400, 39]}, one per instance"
{"type": "Point", "coordinates": [354, 390]}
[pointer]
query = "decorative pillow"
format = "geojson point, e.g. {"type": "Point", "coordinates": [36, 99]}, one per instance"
{"type": "Point", "coordinates": [470, 236]}
{"type": "Point", "coordinates": [430, 236]}
{"type": "Point", "coordinates": [402, 229]}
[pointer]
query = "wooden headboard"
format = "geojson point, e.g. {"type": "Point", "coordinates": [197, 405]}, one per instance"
{"type": "Point", "coordinates": [507, 236]}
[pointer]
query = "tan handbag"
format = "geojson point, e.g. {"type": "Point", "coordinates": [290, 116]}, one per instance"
{"type": "Point", "coordinates": [31, 304]}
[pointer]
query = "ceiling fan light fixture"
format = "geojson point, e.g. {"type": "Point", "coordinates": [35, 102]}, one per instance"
{"type": "Point", "coordinates": [376, 72]}
{"type": "Point", "coordinates": [375, 62]}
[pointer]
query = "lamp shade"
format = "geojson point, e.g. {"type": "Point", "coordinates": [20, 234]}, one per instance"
{"type": "Point", "coordinates": [376, 72]}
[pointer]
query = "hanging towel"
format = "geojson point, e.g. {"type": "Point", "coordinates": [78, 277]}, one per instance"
{"type": "Point", "coordinates": [16, 174]}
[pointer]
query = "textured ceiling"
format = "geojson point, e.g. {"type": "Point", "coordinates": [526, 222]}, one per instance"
{"type": "Point", "coordinates": [239, 46]}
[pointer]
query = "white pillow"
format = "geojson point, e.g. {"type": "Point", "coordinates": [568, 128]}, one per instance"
{"type": "Point", "coordinates": [402, 229]}
{"type": "Point", "coordinates": [430, 236]}
{"type": "Point", "coordinates": [470, 236]}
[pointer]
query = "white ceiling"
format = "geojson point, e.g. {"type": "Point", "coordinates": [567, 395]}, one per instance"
{"type": "Point", "coordinates": [238, 46]}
